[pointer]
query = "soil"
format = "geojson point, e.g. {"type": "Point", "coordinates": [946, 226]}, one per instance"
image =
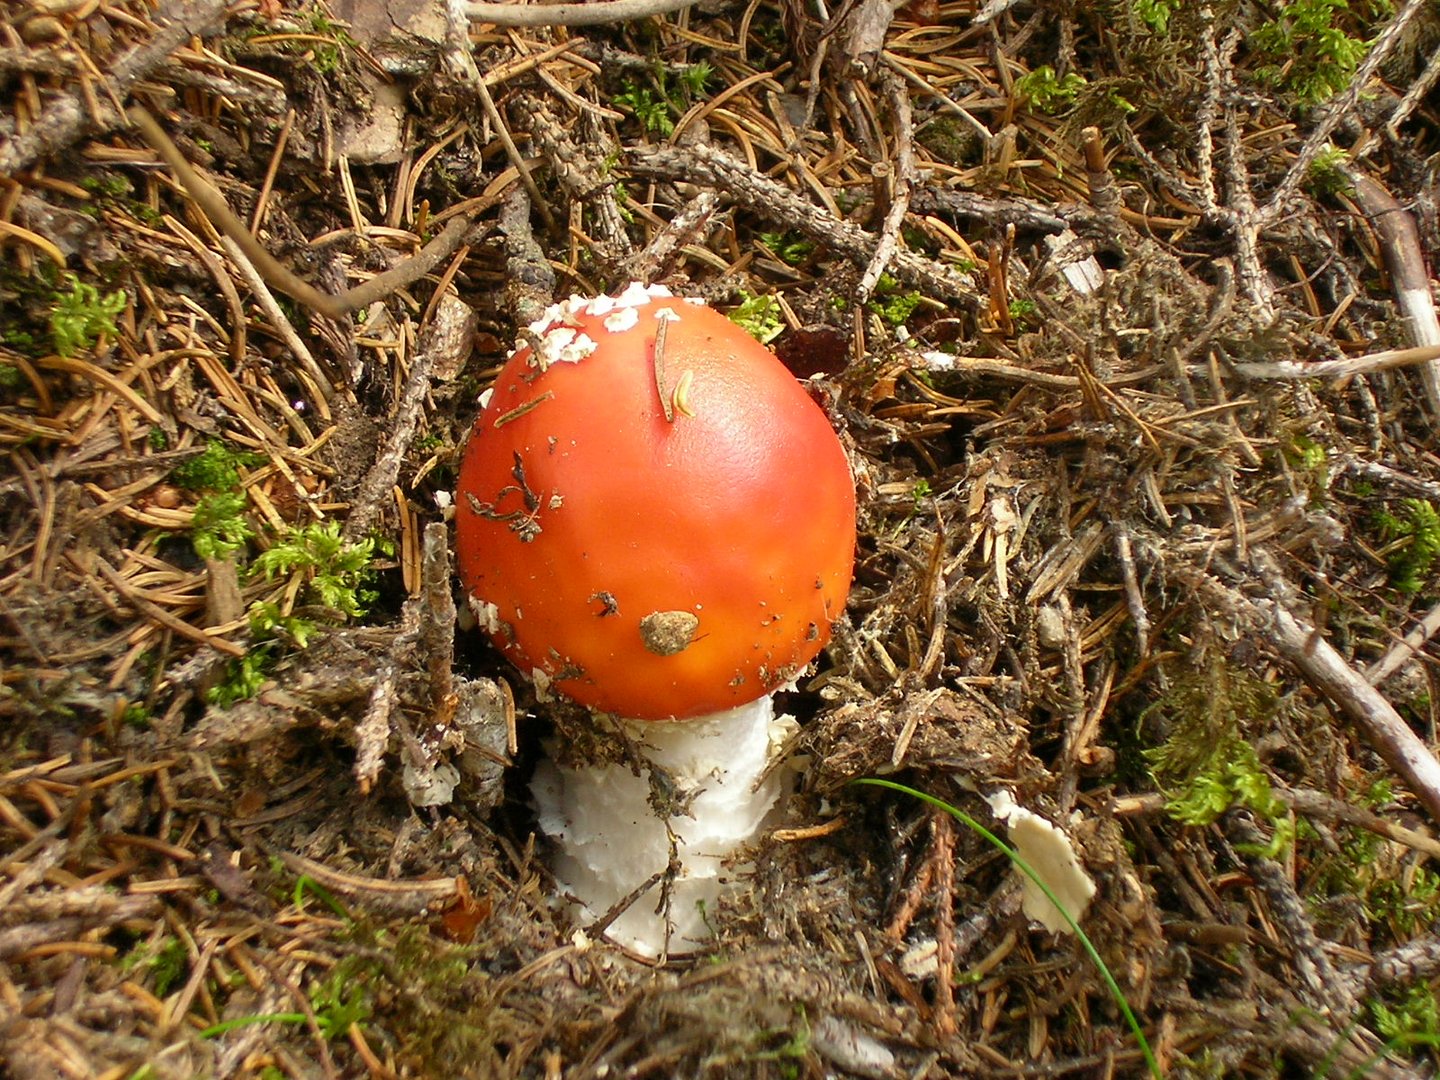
{"type": "Point", "coordinates": [1121, 312]}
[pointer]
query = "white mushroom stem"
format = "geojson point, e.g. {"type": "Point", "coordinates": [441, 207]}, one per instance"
{"type": "Point", "coordinates": [610, 841]}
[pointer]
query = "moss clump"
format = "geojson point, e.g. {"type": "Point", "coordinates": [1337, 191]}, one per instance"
{"type": "Point", "coordinates": [81, 315]}
{"type": "Point", "coordinates": [1415, 534]}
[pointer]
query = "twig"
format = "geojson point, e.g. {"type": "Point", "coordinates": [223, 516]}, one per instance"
{"type": "Point", "coordinates": [598, 14]}
{"type": "Point", "coordinates": [1317, 804]}
{"type": "Point", "coordinates": [414, 895]}
{"type": "Point", "coordinates": [1405, 650]}
{"type": "Point", "coordinates": [1207, 111]}
{"type": "Point", "coordinates": [21, 939]}
{"type": "Point", "coordinates": [277, 273]}
{"type": "Point", "coordinates": [904, 181]}
{"type": "Point", "coordinates": [1104, 196]}
{"type": "Point", "coordinates": [980, 367]}
{"type": "Point", "coordinates": [707, 166]}
{"type": "Point", "coordinates": [372, 733]}
{"type": "Point", "coordinates": [529, 278]}
{"type": "Point", "coordinates": [1400, 245]}
{"type": "Point", "coordinates": [1022, 213]}
{"type": "Point", "coordinates": [276, 314]}
{"type": "Point", "coordinates": [1326, 986]}
{"type": "Point", "coordinates": [578, 165]}
{"type": "Point", "coordinates": [522, 167]}
{"type": "Point", "coordinates": [1134, 595]}
{"type": "Point", "coordinates": [379, 482]}
{"type": "Point", "coordinates": [69, 118]}
{"type": "Point", "coordinates": [1242, 217]}
{"type": "Point", "coordinates": [687, 226]}
{"type": "Point", "coordinates": [1384, 474]}
{"type": "Point", "coordinates": [1418, 92]}
{"type": "Point", "coordinates": [1303, 647]}
{"type": "Point", "coordinates": [1414, 962]}
{"type": "Point", "coordinates": [991, 11]}
{"type": "Point", "coordinates": [437, 616]}
{"type": "Point", "coordinates": [1290, 370]}
{"type": "Point", "coordinates": [943, 852]}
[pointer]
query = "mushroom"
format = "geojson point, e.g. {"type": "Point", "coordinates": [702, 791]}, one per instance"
{"type": "Point", "coordinates": [655, 520]}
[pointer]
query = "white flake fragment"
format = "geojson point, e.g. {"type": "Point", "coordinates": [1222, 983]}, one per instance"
{"type": "Point", "coordinates": [487, 615]}
{"type": "Point", "coordinates": [485, 396]}
{"type": "Point", "coordinates": [541, 678]}
{"type": "Point", "coordinates": [562, 345]}
{"type": "Point", "coordinates": [921, 960]}
{"type": "Point", "coordinates": [1052, 857]}
{"type": "Point", "coordinates": [553, 314]}
{"type": "Point", "coordinates": [666, 314]}
{"type": "Point", "coordinates": [635, 295]}
{"type": "Point", "coordinates": [444, 500]}
{"type": "Point", "coordinates": [782, 729]}
{"type": "Point", "coordinates": [659, 292]}
{"type": "Point", "coordinates": [854, 1050]}
{"type": "Point", "coordinates": [429, 785]}
{"type": "Point", "coordinates": [556, 339]}
{"type": "Point", "coordinates": [621, 319]}
{"type": "Point", "coordinates": [601, 305]}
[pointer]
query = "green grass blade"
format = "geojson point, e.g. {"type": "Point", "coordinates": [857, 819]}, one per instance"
{"type": "Point", "coordinates": [246, 1021]}
{"type": "Point", "coordinates": [1025, 868]}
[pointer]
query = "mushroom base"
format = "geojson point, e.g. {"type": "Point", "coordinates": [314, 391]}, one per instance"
{"type": "Point", "coordinates": [609, 839]}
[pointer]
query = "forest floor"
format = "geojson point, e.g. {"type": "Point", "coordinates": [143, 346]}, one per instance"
{"type": "Point", "coordinates": [1121, 311]}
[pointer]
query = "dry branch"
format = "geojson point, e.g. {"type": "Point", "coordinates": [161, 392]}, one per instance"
{"type": "Point", "coordinates": [773, 201]}
{"type": "Point", "coordinates": [1271, 618]}
{"type": "Point", "coordinates": [1290, 370]}
{"type": "Point", "coordinates": [904, 182]}
{"type": "Point", "coordinates": [1409, 280]}
{"type": "Point", "coordinates": [598, 14]}
{"type": "Point", "coordinates": [272, 269]}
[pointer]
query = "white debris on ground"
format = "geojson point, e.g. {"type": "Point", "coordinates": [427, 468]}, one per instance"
{"type": "Point", "coordinates": [1051, 855]}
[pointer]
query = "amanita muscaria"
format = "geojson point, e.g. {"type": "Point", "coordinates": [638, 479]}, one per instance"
{"type": "Point", "coordinates": [655, 520]}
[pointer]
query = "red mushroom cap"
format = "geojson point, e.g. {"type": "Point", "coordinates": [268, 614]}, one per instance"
{"type": "Point", "coordinates": [659, 533]}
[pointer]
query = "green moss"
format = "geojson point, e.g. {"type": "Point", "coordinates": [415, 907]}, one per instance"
{"type": "Point", "coordinates": [337, 573]}
{"type": "Point", "coordinates": [891, 303]}
{"type": "Point", "coordinates": [81, 315]}
{"type": "Point", "coordinates": [1155, 14]}
{"type": "Point", "coordinates": [657, 104]}
{"type": "Point", "coordinates": [650, 109]}
{"type": "Point", "coordinates": [219, 527]}
{"type": "Point", "coordinates": [1206, 765]}
{"type": "Point", "coordinates": [337, 580]}
{"type": "Point", "coordinates": [1408, 1016]}
{"type": "Point", "coordinates": [217, 468]}
{"type": "Point", "coordinates": [1327, 173]}
{"type": "Point", "coordinates": [1023, 312]}
{"type": "Point", "coordinates": [1046, 91]}
{"type": "Point", "coordinates": [1309, 49]}
{"type": "Point", "coordinates": [1416, 533]}
{"type": "Point", "coordinates": [791, 248]}
{"type": "Point", "coordinates": [759, 316]}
